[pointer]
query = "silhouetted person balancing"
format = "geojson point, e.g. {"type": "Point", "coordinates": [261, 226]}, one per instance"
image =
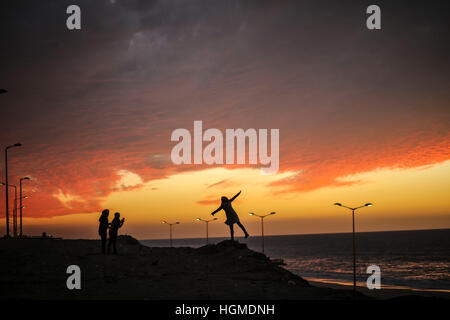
{"type": "Point", "coordinates": [232, 216]}
{"type": "Point", "coordinates": [116, 223]}
{"type": "Point", "coordinates": [103, 228]}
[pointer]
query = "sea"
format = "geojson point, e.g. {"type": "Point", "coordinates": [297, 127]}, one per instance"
{"type": "Point", "coordinates": [416, 260]}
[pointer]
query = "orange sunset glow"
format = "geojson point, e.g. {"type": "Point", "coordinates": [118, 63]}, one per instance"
{"type": "Point", "coordinates": [363, 117]}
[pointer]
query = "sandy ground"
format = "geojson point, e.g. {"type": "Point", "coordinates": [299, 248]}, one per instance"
{"type": "Point", "coordinates": [36, 269]}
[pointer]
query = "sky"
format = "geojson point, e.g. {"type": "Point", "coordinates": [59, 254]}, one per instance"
{"type": "Point", "coordinates": [363, 115]}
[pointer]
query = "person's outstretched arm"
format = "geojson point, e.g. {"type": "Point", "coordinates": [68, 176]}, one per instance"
{"type": "Point", "coordinates": [237, 194]}
{"type": "Point", "coordinates": [121, 222]}
{"type": "Point", "coordinates": [217, 210]}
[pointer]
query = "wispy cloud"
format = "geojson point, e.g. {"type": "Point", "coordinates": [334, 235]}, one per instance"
{"type": "Point", "coordinates": [221, 182]}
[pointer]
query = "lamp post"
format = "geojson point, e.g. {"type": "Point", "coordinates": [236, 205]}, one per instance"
{"type": "Point", "coordinates": [21, 207]}
{"type": "Point", "coordinates": [262, 225]}
{"type": "Point", "coordinates": [206, 222]}
{"type": "Point", "coordinates": [170, 225]}
{"type": "Point", "coordinates": [354, 248]}
{"type": "Point", "coordinates": [15, 207]}
{"type": "Point", "coordinates": [15, 212]}
{"type": "Point", "coordinates": [6, 183]}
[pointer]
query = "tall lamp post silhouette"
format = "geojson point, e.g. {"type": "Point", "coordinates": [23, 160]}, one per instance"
{"type": "Point", "coordinates": [15, 207]}
{"type": "Point", "coordinates": [170, 225]}
{"type": "Point", "coordinates": [15, 212]}
{"type": "Point", "coordinates": [6, 183]}
{"type": "Point", "coordinates": [21, 207]}
{"type": "Point", "coordinates": [206, 222]}
{"type": "Point", "coordinates": [262, 225]}
{"type": "Point", "coordinates": [354, 249]}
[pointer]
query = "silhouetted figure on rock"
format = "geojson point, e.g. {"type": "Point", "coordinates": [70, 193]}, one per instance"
{"type": "Point", "coordinates": [103, 228]}
{"type": "Point", "coordinates": [116, 223]}
{"type": "Point", "coordinates": [232, 216]}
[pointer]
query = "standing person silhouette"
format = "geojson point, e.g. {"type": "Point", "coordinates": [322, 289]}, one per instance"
{"type": "Point", "coordinates": [116, 223]}
{"type": "Point", "coordinates": [232, 216]}
{"type": "Point", "coordinates": [103, 228]}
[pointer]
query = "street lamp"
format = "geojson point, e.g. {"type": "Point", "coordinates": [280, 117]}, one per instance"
{"type": "Point", "coordinates": [21, 207]}
{"type": "Point", "coordinates": [170, 225]}
{"type": "Point", "coordinates": [6, 183]}
{"type": "Point", "coordinates": [206, 222]}
{"type": "Point", "coordinates": [3, 91]}
{"type": "Point", "coordinates": [15, 207]}
{"type": "Point", "coordinates": [262, 225]}
{"type": "Point", "coordinates": [354, 249]}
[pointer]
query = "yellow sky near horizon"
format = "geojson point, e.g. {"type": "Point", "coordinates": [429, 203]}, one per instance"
{"type": "Point", "coordinates": [404, 198]}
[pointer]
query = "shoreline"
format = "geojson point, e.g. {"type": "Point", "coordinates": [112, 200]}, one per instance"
{"type": "Point", "coordinates": [386, 292]}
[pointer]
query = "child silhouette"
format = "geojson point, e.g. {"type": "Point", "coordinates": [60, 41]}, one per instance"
{"type": "Point", "coordinates": [232, 216]}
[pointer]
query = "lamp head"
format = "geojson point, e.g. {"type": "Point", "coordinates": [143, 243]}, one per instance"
{"type": "Point", "coordinates": [13, 145]}
{"type": "Point", "coordinates": [251, 214]}
{"type": "Point", "coordinates": [26, 178]}
{"type": "Point", "coordinates": [338, 204]}
{"type": "Point", "coordinates": [198, 219]}
{"type": "Point", "coordinates": [3, 91]}
{"type": "Point", "coordinates": [272, 212]}
{"type": "Point", "coordinates": [368, 204]}
{"type": "Point", "coordinates": [215, 219]}
{"type": "Point", "coordinates": [177, 223]}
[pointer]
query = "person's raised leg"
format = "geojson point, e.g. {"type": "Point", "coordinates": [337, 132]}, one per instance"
{"type": "Point", "coordinates": [243, 229]}
{"type": "Point", "coordinates": [232, 232]}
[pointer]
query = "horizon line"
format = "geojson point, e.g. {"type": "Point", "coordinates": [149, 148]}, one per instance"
{"type": "Point", "coordinates": [300, 234]}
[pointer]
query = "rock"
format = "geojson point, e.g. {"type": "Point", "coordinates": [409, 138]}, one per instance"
{"type": "Point", "coordinates": [127, 239]}
{"type": "Point", "coordinates": [226, 246]}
